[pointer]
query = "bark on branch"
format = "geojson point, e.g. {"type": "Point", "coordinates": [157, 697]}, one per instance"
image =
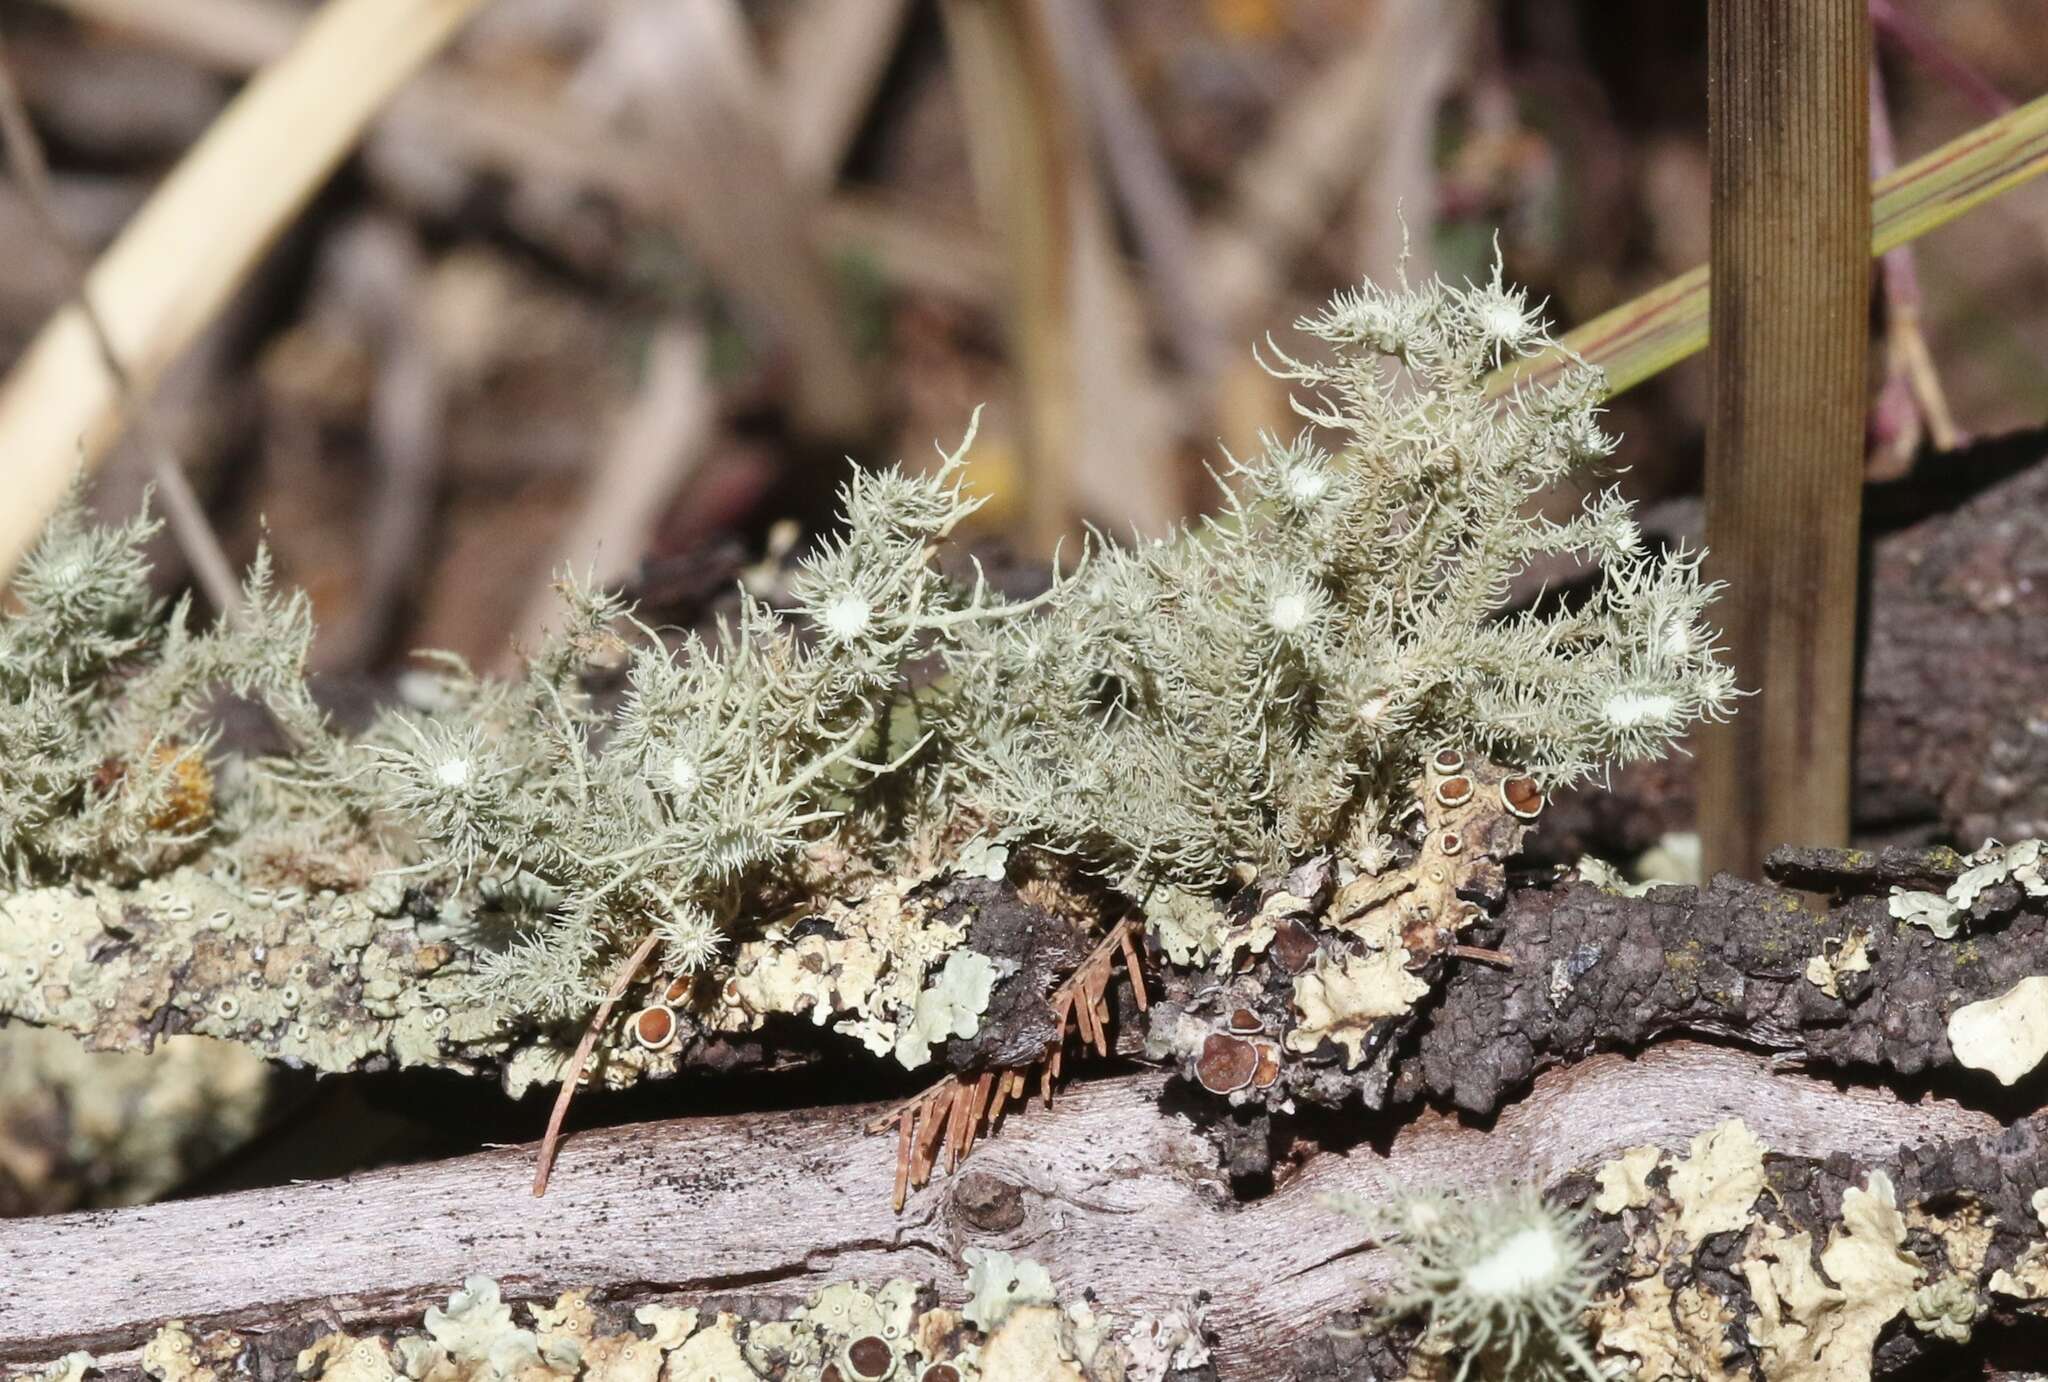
{"type": "Point", "coordinates": [1112, 1193]}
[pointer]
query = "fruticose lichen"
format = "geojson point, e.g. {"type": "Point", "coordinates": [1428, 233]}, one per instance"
{"type": "Point", "coordinates": [1499, 1280]}
{"type": "Point", "coordinates": [460, 882]}
{"type": "Point", "coordinates": [105, 701]}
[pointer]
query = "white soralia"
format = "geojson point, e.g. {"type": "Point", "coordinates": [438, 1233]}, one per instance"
{"type": "Point", "coordinates": [1634, 709]}
{"type": "Point", "coordinates": [847, 617]}
{"type": "Point", "coordinates": [1289, 613]}
{"type": "Point", "coordinates": [1503, 321]}
{"type": "Point", "coordinates": [1306, 484]}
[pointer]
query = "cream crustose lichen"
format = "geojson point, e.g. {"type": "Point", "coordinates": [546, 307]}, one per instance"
{"type": "Point", "coordinates": [1183, 711]}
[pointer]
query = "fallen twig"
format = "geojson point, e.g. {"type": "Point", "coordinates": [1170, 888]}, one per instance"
{"type": "Point", "coordinates": [572, 1073]}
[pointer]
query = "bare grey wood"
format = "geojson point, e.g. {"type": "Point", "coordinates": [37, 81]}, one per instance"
{"type": "Point", "coordinates": [1107, 1190]}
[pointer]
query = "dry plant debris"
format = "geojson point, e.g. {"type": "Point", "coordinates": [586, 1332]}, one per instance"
{"type": "Point", "coordinates": [946, 1118]}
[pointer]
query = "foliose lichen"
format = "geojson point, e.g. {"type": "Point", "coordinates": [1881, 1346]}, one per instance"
{"type": "Point", "coordinates": [2024, 864]}
{"type": "Point", "coordinates": [892, 1333]}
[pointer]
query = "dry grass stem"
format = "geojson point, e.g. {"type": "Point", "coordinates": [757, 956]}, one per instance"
{"type": "Point", "coordinates": [175, 266]}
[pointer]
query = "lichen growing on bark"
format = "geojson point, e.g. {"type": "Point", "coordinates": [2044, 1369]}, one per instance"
{"type": "Point", "coordinates": [1299, 679]}
{"type": "Point", "coordinates": [896, 1331]}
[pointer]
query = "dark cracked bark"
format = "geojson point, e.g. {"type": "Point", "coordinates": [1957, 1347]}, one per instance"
{"type": "Point", "coordinates": [1564, 970]}
{"type": "Point", "coordinates": [1598, 972]}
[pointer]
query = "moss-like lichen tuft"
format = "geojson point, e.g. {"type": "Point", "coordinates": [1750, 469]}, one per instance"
{"type": "Point", "coordinates": [1220, 702]}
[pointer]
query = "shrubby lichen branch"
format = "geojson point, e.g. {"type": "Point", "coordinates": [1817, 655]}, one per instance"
{"type": "Point", "coordinates": [1216, 703]}
{"type": "Point", "coordinates": [106, 702]}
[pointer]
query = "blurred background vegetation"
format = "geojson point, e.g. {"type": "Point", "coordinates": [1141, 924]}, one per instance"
{"type": "Point", "coordinates": [629, 284]}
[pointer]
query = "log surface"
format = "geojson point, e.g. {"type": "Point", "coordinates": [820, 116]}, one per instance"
{"type": "Point", "coordinates": [1112, 1192]}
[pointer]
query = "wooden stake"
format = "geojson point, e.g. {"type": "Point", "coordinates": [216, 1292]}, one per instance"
{"type": "Point", "coordinates": [1788, 347]}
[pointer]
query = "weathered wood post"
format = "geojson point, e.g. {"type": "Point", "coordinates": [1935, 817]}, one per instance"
{"type": "Point", "coordinates": [1789, 134]}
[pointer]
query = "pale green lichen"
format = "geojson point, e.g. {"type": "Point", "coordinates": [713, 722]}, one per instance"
{"type": "Point", "coordinates": [951, 1007]}
{"type": "Point", "coordinates": [1949, 1309]}
{"type": "Point", "coordinates": [1500, 1280]}
{"type": "Point", "coordinates": [1342, 1000]}
{"type": "Point", "coordinates": [72, 1367]}
{"type": "Point", "coordinates": [1268, 685]}
{"type": "Point", "coordinates": [859, 964]}
{"type": "Point", "coordinates": [998, 1284]}
{"type": "Point", "coordinates": [1187, 712]}
{"type": "Point", "coordinates": [106, 701]}
{"type": "Point", "coordinates": [1189, 926]}
{"type": "Point", "coordinates": [475, 1332]}
{"type": "Point", "coordinates": [2024, 864]}
{"type": "Point", "coordinates": [866, 1334]}
{"type": "Point", "coordinates": [1931, 910]}
{"type": "Point", "coordinates": [1609, 879]}
{"type": "Point", "coordinates": [309, 978]}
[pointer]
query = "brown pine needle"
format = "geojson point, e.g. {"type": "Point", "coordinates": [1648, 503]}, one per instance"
{"type": "Point", "coordinates": [1084, 1017]}
{"type": "Point", "coordinates": [1137, 972]}
{"type": "Point", "coordinates": [931, 1133]}
{"type": "Point", "coordinates": [903, 1159]}
{"type": "Point", "coordinates": [956, 1135]}
{"type": "Point", "coordinates": [946, 1119]}
{"type": "Point", "coordinates": [979, 1110]}
{"type": "Point", "coordinates": [578, 1061]}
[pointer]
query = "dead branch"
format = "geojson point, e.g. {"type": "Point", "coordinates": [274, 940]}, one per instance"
{"type": "Point", "coordinates": [1107, 1190]}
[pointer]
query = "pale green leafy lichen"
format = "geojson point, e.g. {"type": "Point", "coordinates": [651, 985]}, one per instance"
{"type": "Point", "coordinates": [476, 1332]}
{"type": "Point", "coordinates": [951, 1007]}
{"type": "Point", "coordinates": [2024, 864]}
{"type": "Point", "coordinates": [999, 1284]}
{"type": "Point", "coordinates": [1949, 1309]}
{"type": "Point", "coordinates": [895, 1331]}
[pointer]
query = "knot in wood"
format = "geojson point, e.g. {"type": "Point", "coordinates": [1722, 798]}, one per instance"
{"type": "Point", "coordinates": [988, 1203]}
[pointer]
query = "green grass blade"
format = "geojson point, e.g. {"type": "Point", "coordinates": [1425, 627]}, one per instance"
{"type": "Point", "coordinates": [1645, 336]}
